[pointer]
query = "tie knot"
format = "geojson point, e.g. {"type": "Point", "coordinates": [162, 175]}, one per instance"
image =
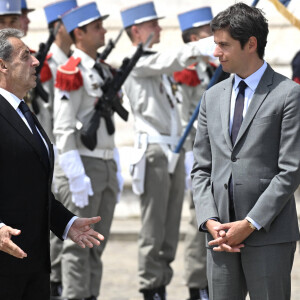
{"type": "Point", "coordinates": [242, 86]}
{"type": "Point", "coordinates": [23, 107]}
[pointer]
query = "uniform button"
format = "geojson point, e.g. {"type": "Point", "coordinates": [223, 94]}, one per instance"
{"type": "Point", "coordinates": [233, 158]}
{"type": "Point", "coordinates": [225, 186]}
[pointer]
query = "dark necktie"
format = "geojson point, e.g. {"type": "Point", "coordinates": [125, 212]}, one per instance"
{"type": "Point", "coordinates": [238, 111]}
{"type": "Point", "coordinates": [28, 115]}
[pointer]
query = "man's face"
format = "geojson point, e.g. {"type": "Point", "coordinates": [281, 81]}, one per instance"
{"type": "Point", "coordinates": [230, 53]}
{"type": "Point", "coordinates": [64, 34]}
{"type": "Point", "coordinates": [24, 20]}
{"type": "Point", "coordinates": [10, 21]}
{"type": "Point", "coordinates": [146, 28]}
{"type": "Point", "coordinates": [21, 68]}
{"type": "Point", "coordinates": [94, 37]}
{"type": "Point", "coordinates": [204, 32]}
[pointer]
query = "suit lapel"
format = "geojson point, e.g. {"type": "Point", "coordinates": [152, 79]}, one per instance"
{"type": "Point", "coordinates": [13, 118]}
{"type": "Point", "coordinates": [259, 96]}
{"type": "Point", "coordinates": [225, 111]}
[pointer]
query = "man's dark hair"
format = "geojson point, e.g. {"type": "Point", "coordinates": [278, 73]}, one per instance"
{"type": "Point", "coordinates": [128, 31]}
{"type": "Point", "coordinates": [186, 34]}
{"type": "Point", "coordinates": [242, 22]}
{"type": "Point", "coordinates": [72, 35]}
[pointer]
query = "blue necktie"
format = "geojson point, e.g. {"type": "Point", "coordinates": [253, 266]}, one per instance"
{"type": "Point", "coordinates": [238, 111]}
{"type": "Point", "coordinates": [28, 115]}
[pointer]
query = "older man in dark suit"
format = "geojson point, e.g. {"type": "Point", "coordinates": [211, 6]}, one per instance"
{"type": "Point", "coordinates": [247, 165]}
{"type": "Point", "coordinates": [27, 207]}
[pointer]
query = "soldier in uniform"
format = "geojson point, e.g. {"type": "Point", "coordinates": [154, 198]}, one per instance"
{"type": "Point", "coordinates": [158, 129]}
{"type": "Point", "coordinates": [10, 12]}
{"type": "Point", "coordinates": [191, 84]}
{"type": "Point", "coordinates": [24, 16]}
{"type": "Point", "coordinates": [89, 182]}
{"type": "Point", "coordinates": [57, 55]}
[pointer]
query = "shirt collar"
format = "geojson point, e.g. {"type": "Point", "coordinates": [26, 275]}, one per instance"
{"type": "Point", "coordinates": [57, 54]}
{"type": "Point", "coordinates": [12, 99]}
{"type": "Point", "coordinates": [253, 80]}
{"type": "Point", "coordinates": [86, 61]}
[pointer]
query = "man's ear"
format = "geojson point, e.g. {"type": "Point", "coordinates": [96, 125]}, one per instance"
{"type": "Point", "coordinates": [3, 66]}
{"type": "Point", "coordinates": [78, 33]}
{"type": "Point", "coordinates": [252, 43]}
{"type": "Point", "coordinates": [194, 37]}
{"type": "Point", "coordinates": [135, 33]}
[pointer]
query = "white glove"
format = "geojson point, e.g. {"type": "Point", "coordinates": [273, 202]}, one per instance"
{"type": "Point", "coordinates": [80, 184]}
{"type": "Point", "coordinates": [188, 163]}
{"type": "Point", "coordinates": [81, 189]}
{"type": "Point", "coordinates": [119, 173]}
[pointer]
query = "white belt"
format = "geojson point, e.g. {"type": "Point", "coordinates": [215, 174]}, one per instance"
{"type": "Point", "coordinates": [105, 154]}
{"type": "Point", "coordinates": [163, 139]}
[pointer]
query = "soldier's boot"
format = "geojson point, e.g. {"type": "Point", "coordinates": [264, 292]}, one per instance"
{"type": "Point", "coordinates": [155, 294]}
{"type": "Point", "coordinates": [55, 290]}
{"type": "Point", "coordinates": [198, 294]}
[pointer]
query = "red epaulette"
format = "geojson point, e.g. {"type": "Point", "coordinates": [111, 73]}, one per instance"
{"type": "Point", "coordinates": [187, 76]}
{"type": "Point", "coordinates": [45, 74]}
{"type": "Point", "coordinates": [297, 79]}
{"type": "Point", "coordinates": [68, 77]}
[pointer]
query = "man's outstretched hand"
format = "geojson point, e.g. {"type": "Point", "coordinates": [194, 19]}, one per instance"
{"type": "Point", "coordinates": [7, 245]}
{"type": "Point", "coordinates": [82, 234]}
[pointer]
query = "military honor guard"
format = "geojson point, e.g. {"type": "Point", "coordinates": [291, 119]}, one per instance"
{"type": "Point", "coordinates": [158, 129]}
{"type": "Point", "coordinates": [58, 54]}
{"type": "Point", "coordinates": [88, 181]}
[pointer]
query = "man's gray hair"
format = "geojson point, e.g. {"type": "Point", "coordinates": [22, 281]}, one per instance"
{"type": "Point", "coordinates": [6, 48]}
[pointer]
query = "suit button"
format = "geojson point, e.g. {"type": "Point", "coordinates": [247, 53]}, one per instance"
{"type": "Point", "coordinates": [233, 158]}
{"type": "Point", "coordinates": [225, 186]}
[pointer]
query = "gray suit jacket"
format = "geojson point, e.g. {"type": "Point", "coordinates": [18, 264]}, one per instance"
{"type": "Point", "coordinates": [264, 162]}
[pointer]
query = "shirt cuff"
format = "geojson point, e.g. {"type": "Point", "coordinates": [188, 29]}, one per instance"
{"type": "Point", "coordinates": [1, 225]}
{"type": "Point", "coordinates": [255, 224]}
{"type": "Point", "coordinates": [65, 235]}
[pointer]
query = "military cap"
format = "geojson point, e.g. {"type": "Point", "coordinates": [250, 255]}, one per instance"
{"type": "Point", "coordinates": [10, 7]}
{"type": "Point", "coordinates": [55, 10]}
{"type": "Point", "coordinates": [82, 15]}
{"type": "Point", "coordinates": [138, 14]}
{"type": "Point", "coordinates": [195, 18]}
{"type": "Point", "coordinates": [25, 8]}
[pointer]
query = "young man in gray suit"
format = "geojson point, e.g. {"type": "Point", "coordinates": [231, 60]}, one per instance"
{"type": "Point", "coordinates": [246, 167]}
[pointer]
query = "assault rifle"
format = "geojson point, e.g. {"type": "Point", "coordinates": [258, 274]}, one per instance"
{"type": "Point", "coordinates": [109, 102]}
{"type": "Point", "coordinates": [111, 44]}
{"type": "Point", "coordinates": [41, 55]}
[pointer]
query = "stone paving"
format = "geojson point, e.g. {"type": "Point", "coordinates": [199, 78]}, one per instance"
{"type": "Point", "coordinates": [120, 280]}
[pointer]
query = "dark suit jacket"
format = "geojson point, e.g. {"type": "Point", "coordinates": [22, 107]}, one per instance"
{"type": "Point", "coordinates": [264, 162]}
{"type": "Point", "coordinates": [26, 201]}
